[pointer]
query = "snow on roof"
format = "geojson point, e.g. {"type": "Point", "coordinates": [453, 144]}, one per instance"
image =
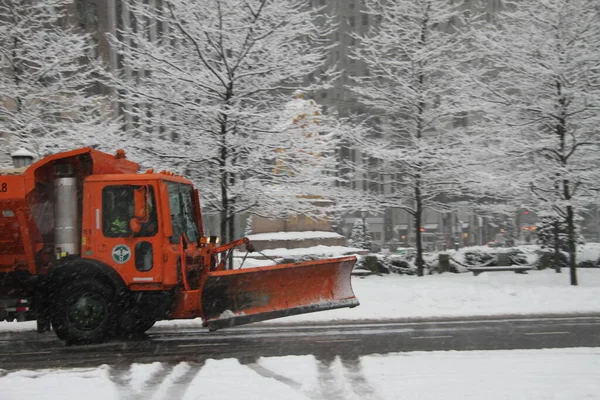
{"type": "Point", "coordinates": [294, 235]}
{"type": "Point", "coordinates": [317, 251]}
{"type": "Point", "coordinates": [23, 153]}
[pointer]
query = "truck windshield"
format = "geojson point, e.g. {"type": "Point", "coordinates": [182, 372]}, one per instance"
{"type": "Point", "coordinates": [182, 212]}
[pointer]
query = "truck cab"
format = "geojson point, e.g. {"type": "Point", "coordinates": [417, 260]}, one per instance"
{"type": "Point", "coordinates": [139, 223]}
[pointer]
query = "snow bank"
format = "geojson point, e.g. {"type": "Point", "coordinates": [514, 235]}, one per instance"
{"type": "Point", "coordinates": [588, 252]}
{"type": "Point", "coordinates": [453, 295]}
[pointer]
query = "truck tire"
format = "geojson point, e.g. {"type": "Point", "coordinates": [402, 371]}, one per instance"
{"type": "Point", "coordinates": [141, 325]}
{"type": "Point", "coordinates": [84, 312]}
{"type": "Point", "coordinates": [132, 325]}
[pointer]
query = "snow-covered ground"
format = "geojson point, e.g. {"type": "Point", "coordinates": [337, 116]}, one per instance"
{"type": "Point", "coordinates": [448, 295]}
{"type": "Point", "coordinates": [524, 374]}
{"type": "Point", "coordinates": [468, 375]}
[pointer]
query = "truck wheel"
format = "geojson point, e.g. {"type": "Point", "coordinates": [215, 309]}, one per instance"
{"type": "Point", "coordinates": [142, 325]}
{"type": "Point", "coordinates": [135, 324]}
{"type": "Point", "coordinates": [42, 324]}
{"type": "Point", "coordinates": [84, 312]}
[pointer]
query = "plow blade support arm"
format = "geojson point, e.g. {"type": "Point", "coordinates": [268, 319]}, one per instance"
{"type": "Point", "coordinates": [243, 296]}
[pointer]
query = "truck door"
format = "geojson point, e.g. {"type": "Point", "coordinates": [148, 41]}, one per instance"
{"type": "Point", "coordinates": [135, 255]}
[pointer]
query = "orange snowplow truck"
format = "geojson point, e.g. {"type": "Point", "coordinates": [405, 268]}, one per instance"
{"type": "Point", "coordinates": [93, 248]}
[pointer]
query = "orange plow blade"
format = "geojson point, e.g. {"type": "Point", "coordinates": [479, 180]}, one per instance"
{"type": "Point", "coordinates": [243, 296]}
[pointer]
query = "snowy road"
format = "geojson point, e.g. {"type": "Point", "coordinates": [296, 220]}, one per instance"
{"type": "Point", "coordinates": [26, 349]}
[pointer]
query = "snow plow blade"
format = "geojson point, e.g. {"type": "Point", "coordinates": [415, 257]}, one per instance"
{"type": "Point", "coordinates": [243, 296]}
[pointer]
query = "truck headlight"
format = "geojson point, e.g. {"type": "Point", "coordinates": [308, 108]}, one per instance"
{"type": "Point", "coordinates": [209, 239]}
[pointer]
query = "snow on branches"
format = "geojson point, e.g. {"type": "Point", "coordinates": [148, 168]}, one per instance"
{"type": "Point", "coordinates": [48, 82]}
{"type": "Point", "coordinates": [205, 85]}
{"type": "Point", "coordinates": [541, 75]}
{"type": "Point", "coordinates": [415, 86]}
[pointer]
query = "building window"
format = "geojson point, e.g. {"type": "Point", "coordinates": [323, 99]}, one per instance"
{"type": "Point", "coordinates": [324, 94]}
{"type": "Point", "coordinates": [351, 21]}
{"type": "Point", "coordinates": [321, 2]}
{"type": "Point", "coordinates": [93, 49]}
{"type": "Point", "coordinates": [86, 11]}
{"type": "Point", "coordinates": [460, 119]}
{"type": "Point", "coordinates": [365, 19]}
{"type": "Point", "coordinates": [351, 5]}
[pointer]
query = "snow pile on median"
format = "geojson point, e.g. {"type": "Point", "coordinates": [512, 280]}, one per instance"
{"type": "Point", "coordinates": [453, 295]}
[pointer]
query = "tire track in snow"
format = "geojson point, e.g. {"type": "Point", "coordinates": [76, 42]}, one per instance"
{"type": "Point", "coordinates": [359, 383]}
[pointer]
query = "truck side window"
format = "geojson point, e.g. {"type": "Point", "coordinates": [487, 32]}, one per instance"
{"type": "Point", "coordinates": [182, 212]}
{"type": "Point", "coordinates": [117, 211]}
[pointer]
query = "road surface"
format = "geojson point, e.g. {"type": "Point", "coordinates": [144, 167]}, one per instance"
{"type": "Point", "coordinates": [29, 350]}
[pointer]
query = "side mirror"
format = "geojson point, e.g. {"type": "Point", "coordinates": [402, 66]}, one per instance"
{"type": "Point", "coordinates": [140, 203]}
{"type": "Point", "coordinates": [135, 225]}
{"type": "Point", "coordinates": [140, 209]}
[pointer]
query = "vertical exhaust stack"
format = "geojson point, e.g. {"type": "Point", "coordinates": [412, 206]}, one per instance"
{"type": "Point", "coordinates": [66, 211]}
{"type": "Point", "coordinates": [22, 158]}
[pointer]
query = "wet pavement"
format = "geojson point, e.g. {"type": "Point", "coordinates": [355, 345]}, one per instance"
{"type": "Point", "coordinates": [345, 341]}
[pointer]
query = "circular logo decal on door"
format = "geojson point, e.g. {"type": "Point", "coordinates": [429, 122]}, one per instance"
{"type": "Point", "coordinates": [121, 254]}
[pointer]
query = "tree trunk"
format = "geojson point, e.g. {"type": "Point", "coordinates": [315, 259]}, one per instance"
{"type": "Point", "coordinates": [224, 181]}
{"type": "Point", "coordinates": [556, 228]}
{"type": "Point", "coordinates": [419, 132]}
{"type": "Point", "coordinates": [572, 247]}
{"type": "Point", "coordinates": [418, 238]}
{"type": "Point", "coordinates": [224, 211]}
{"type": "Point", "coordinates": [232, 235]}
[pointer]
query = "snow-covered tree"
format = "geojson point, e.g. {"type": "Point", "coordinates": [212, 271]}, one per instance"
{"type": "Point", "coordinates": [248, 226]}
{"type": "Point", "coordinates": [205, 85]}
{"type": "Point", "coordinates": [552, 233]}
{"type": "Point", "coordinates": [413, 85]}
{"type": "Point", "coordinates": [511, 232]}
{"type": "Point", "coordinates": [542, 76]}
{"type": "Point", "coordinates": [360, 236]}
{"type": "Point", "coordinates": [48, 82]}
